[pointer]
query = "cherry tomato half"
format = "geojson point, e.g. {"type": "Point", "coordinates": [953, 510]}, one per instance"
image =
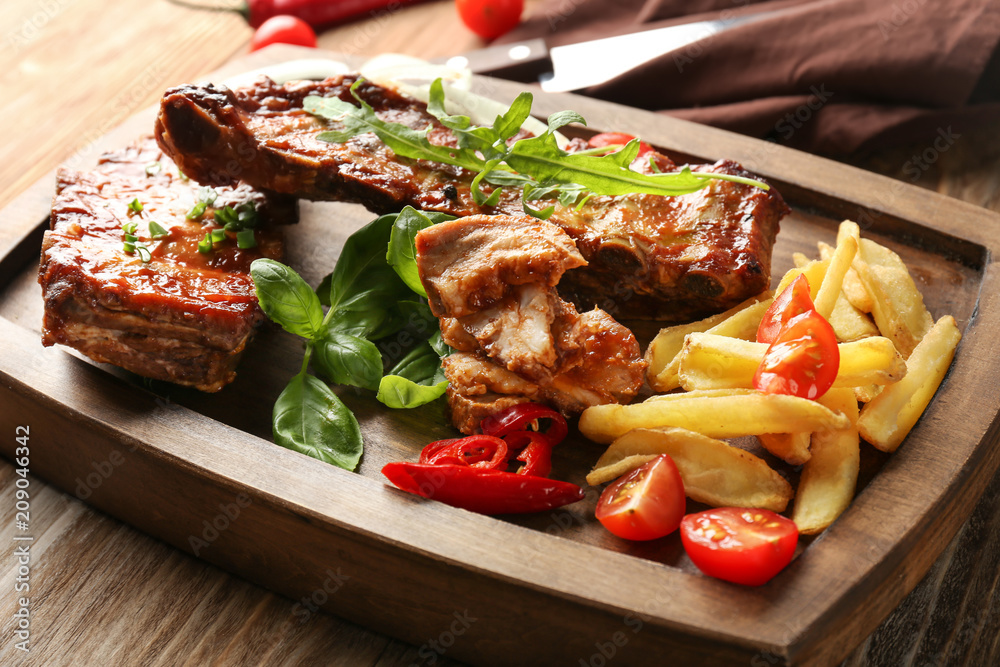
{"type": "Point", "coordinates": [802, 361]}
{"type": "Point", "coordinates": [490, 18]}
{"type": "Point", "coordinates": [645, 504]}
{"type": "Point", "coordinates": [744, 546]}
{"type": "Point", "coordinates": [617, 139]}
{"type": "Point", "coordinates": [283, 29]}
{"type": "Point", "coordinates": [793, 300]}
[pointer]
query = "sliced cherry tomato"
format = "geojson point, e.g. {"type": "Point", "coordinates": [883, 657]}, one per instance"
{"type": "Point", "coordinates": [490, 18]}
{"type": "Point", "coordinates": [793, 300]}
{"type": "Point", "coordinates": [283, 29]}
{"type": "Point", "coordinates": [802, 361]}
{"type": "Point", "coordinates": [645, 504]}
{"type": "Point", "coordinates": [617, 139]}
{"type": "Point", "coordinates": [744, 546]}
{"type": "Point", "coordinates": [521, 416]}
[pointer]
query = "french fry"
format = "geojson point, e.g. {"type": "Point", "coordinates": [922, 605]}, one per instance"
{"type": "Point", "coordinates": [849, 323]}
{"type": "Point", "coordinates": [792, 448]}
{"type": "Point", "coordinates": [814, 272]}
{"type": "Point", "coordinates": [708, 361]}
{"type": "Point", "coordinates": [727, 413]}
{"type": "Point", "coordinates": [886, 420]}
{"type": "Point", "coordinates": [833, 280]}
{"type": "Point", "coordinates": [713, 472]}
{"type": "Point", "coordinates": [897, 306]}
{"type": "Point", "coordinates": [800, 260]}
{"type": "Point", "coordinates": [740, 322]}
{"type": "Point", "coordinates": [829, 477]}
{"type": "Point", "coordinates": [854, 289]}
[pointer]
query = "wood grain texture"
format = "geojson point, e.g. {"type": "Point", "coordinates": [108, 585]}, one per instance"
{"type": "Point", "coordinates": [84, 575]}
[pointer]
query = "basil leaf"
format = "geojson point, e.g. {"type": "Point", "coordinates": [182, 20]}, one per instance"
{"type": "Point", "coordinates": [439, 346]}
{"type": "Point", "coordinates": [286, 298]}
{"type": "Point", "coordinates": [402, 254]}
{"type": "Point", "coordinates": [397, 392]}
{"type": "Point", "coordinates": [419, 365]}
{"type": "Point", "coordinates": [309, 418]}
{"type": "Point", "coordinates": [362, 276]}
{"type": "Point", "coordinates": [361, 323]}
{"type": "Point", "coordinates": [345, 359]}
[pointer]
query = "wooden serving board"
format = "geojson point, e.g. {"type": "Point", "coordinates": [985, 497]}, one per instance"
{"type": "Point", "coordinates": [200, 471]}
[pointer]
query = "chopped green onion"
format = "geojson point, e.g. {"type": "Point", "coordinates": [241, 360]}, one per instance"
{"type": "Point", "coordinates": [182, 174]}
{"type": "Point", "coordinates": [156, 230]}
{"type": "Point", "coordinates": [130, 227]}
{"type": "Point", "coordinates": [197, 211]}
{"type": "Point", "coordinates": [144, 254]}
{"type": "Point", "coordinates": [205, 245]}
{"type": "Point", "coordinates": [131, 238]}
{"type": "Point", "coordinates": [218, 235]}
{"type": "Point", "coordinates": [135, 206]}
{"type": "Point", "coordinates": [226, 216]}
{"type": "Point", "coordinates": [128, 247]}
{"type": "Point", "coordinates": [153, 168]}
{"type": "Point", "coordinates": [245, 239]}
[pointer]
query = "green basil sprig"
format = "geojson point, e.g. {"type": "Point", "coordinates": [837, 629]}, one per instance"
{"type": "Point", "coordinates": [368, 299]}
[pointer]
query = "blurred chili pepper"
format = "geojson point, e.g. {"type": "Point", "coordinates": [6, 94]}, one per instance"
{"type": "Point", "coordinates": [477, 451]}
{"type": "Point", "coordinates": [317, 13]}
{"type": "Point", "coordinates": [519, 416]}
{"type": "Point", "coordinates": [482, 490]}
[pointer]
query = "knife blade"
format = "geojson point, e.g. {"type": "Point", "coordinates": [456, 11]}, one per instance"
{"type": "Point", "coordinates": [584, 64]}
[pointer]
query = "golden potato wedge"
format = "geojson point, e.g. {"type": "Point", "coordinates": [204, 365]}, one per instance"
{"type": "Point", "coordinates": [829, 477]}
{"type": "Point", "coordinates": [792, 448]}
{"type": "Point", "coordinates": [708, 361]}
{"type": "Point", "coordinates": [728, 413]}
{"type": "Point", "coordinates": [739, 322]}
{"type": "Point", "coordinates": [897, 305]}
{"type": "Point", "coordinates": [854, 289]}
{"type": "Point", "coordinates": [714, 472]}
{"type": "Point", "coordinates": [887, 418]}
{"type": "Point", "coordinates": [833, 280]}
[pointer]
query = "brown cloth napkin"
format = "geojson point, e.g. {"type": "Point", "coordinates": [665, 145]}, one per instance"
{"type": "Point", "coordinates": [827, 76]}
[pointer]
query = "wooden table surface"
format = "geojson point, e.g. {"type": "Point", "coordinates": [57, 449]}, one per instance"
{"type": "Point", "coordinates": [106, 594]}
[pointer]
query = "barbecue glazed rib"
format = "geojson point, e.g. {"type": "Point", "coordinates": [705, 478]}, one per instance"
{"type": "Point", "coordinates": [183, 316]}
{"type": "Point", "coordinates": [668, 258]}
{"type": "Point", "coordinates": [491, 280]}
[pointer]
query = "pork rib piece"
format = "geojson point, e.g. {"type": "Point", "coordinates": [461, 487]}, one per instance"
{"type": "Point", "coordinates": [517, 340]}
{"type": "Point", "coordinates": [183, 316]}
{"type": "Point", "coordinates": [669, 258]}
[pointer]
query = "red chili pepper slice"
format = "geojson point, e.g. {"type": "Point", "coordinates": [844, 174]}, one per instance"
{"type": "Point", "coordinates": [518, 417]}
{"type": "Point", "coordinates": [536, 453]}
{"type": "Point", "coordinates": [477, 451]}
{"type": "Point", "coordinates": [482, 491]}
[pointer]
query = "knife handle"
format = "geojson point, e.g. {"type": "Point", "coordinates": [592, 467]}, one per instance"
{"type": "Point", "coordinates": [520, 61]}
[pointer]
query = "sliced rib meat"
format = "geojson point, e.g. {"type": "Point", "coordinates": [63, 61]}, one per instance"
{"type": "Point", "coordinates": [528, 344]}
{"type": "Point", "coordinates": [669, 258]}
{"type": "Point", "coordinates": [183, 316]}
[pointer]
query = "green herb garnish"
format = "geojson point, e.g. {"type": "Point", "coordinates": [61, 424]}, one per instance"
{"type": "Point", "coordinates": [135, 206]}
{"type": "Point", "coordinates": [206, 197]}
{"type": "Point", "coordinates": [153, 168]}
{"type": "Point", "coordinates": [368, 301]}
{"type": "Point", "coordinates": [157, 231]}
{"type": "Point", "coordinates": [245, 239]}
{"type": "Point", "coordinates": [536, 165]}
{"type": "Point", "coordinates": [143, 253]}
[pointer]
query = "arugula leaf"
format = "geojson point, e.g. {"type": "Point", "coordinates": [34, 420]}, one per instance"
{"type": "Point", "coordinates": [541, 166]}
{"type": "Point", "coordinates": [286, 298]}
{"type": "Point", "coordinates": [309, 418]}
{"type": "Point", "coordinates": [401, 253]}
{"type": "Point", "coordinates": [403, 140]}
{"type": "Point", "coordinates": [346, 359]}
